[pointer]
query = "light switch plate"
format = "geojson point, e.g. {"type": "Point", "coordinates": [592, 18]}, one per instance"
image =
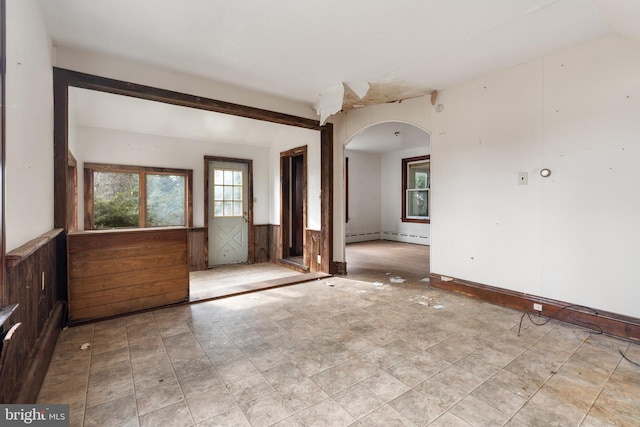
{"type": "Point", "coordinates": [523, 178]}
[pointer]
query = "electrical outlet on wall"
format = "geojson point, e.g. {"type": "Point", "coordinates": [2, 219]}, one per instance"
{"type": "Point", "coordinates": [319, 259]}
{"type": "Point", "coordinates": [537, 307]}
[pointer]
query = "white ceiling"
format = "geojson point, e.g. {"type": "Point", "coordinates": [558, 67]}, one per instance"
{"type": "Point", "coordinates": [298, 49]}
{"type": "Point", "coordinates": [389, 136]}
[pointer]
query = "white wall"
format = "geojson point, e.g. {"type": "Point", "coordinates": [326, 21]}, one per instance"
{"type": "Point", "coordinates": [120, 69]}
{"type": "Point", "coordinates": [29, 125]}
{"type": "Point", "coordinates": [573, 236]}
{"type": "Point", "coordinates": [127, 148]}
{"type": "Point", "coordinates": [365, 220]}
{"type": "Point", "coordinates": [391, 201]}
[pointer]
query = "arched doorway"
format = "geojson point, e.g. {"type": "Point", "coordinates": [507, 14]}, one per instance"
{"type": "Point", "coordinates": [387, 211]}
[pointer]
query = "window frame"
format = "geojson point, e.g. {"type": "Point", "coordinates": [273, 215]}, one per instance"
{"type": "Point", "coordinates": [143, 171]}
{"type": "Point", "coordinates": [405, 176]}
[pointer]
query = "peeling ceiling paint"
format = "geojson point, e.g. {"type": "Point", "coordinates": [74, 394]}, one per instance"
{"type": "Point", "coordinates": [380, 93]}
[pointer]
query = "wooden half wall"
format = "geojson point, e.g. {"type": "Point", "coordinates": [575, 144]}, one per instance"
{"type": "Point", "coordinates": [35, 280]}
{"type": "Point", "coordinates": [118, 272]}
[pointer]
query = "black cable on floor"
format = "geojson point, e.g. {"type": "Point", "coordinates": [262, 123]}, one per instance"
{"type": "Point", "coordinates": [624, 356]}
{"type": "Point", "coordinates": [597, 329]}
{"type": "Point", "coordinates": [588, 325]}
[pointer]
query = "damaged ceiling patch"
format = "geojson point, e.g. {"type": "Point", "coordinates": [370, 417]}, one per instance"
{"type": "Point", "coordinates": [350, 95]}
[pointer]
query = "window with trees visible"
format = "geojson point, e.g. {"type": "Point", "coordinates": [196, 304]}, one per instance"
{"type": "Point", "coordinates": [416, 181]}
{"type": "Point", "coordinates": [136, 197]}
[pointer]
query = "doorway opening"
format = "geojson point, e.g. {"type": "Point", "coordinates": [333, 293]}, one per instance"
{"type": "Point", "coordinates": [293, 206]}
{"type": "Point", "coordinates": [380, 241]}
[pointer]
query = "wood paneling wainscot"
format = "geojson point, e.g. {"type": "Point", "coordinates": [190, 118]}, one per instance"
{"type": "Point", "coordinates": [119, 272]}
{"type": "Point", "coordinates": [198, 249]}
{"type": "Point", "coordinates": [35, 281]}
{"type": "Point", "coordinates": [261, 235]}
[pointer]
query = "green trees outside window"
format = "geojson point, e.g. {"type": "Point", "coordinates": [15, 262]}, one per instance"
{"type": "Point", "coordinates": [131, 197]}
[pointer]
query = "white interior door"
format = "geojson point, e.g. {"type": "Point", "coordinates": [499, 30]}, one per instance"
{"type": "Point", "coordinates": [228, 213]}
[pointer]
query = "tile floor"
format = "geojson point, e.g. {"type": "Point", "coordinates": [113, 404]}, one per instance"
{"type": "Point", "coordinates": [339, 352]}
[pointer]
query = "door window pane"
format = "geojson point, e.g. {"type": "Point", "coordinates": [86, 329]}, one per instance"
{"type": "Point", "coordinates": [227, 192]}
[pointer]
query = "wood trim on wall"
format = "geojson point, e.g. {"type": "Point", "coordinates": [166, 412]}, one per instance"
{"type": "Point", "coordinates": [285, 199]}
{"type": "Point", "coordinates": [3, 69]}
{"type": "Point", "coordinates": [610, 323]}
{"type": "Point", "coordinates": [326, 197]}
{"type": "Point", "coordinates": [120, 87]}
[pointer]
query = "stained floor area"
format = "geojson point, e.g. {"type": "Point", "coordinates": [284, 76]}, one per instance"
{"type": "Point", "coordinates": [339, 352]}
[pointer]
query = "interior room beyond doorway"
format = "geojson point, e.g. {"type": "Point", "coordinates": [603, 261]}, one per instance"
{"type": "Point", "coordinates": [386, 261]}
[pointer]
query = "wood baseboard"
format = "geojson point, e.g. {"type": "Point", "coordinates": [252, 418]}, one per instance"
{"type": "Point", "coordinates": [338, 267]}
{"type": "Point", "coordinates": [30, 384]}
{"type": "Point", "coordinates": [610, 323]}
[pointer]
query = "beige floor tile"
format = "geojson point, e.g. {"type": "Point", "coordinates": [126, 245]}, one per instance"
{"type": "Point", "coordinates": [499, 398]}
{"type": "Point", "coordinates": [236, 369]}
{"type": "Point", "coordinates": [211, 403]}
{"type": "Point", "coordinates": [302, 394]}
{"type": "Point", "coordinates": [108, 357]}
{"type": "Point", "coordinates": [314, 354]}
{"type": "Point", "coordinates": [233, 417]}
{"type": "Point", "coordinates": [151, 399]}
{"type": "Point", "coordinates": [175, 415]}
{"type": "Point", "coordinates": [154, 376]}
{"type": "Point", "coordinates": [535, 415]}
{"type": "Point", "coordinates": [182, 347]}
{"type": "Point", "coordinates": [266, 410]}
{"type": "Point", "coordinates": [476, 412]}
{"type": "Point", "coordinates": [191, 367]}
{"type": "Point", "coordinates": [250, 388]}
{"type": "Point", "coordinates": [333, 380]}
{"type": "Point", "coordinates": [358, 401]}
{"type": "Point", "coordinates": [111, 413]}
{"type": "Point", "coordinates": [201, 382]}
{"type": "Point", "coordinates": [417, 408]}
{"type": "Point", "coordinates": [385, 386]}
{"type": "Point", "coordinates": [326, 413]}
{"type": "Point", "coordinates": [436, 390]}
{"type": "Point", "coordinates": [359, 368]}
{"type": "Point", "coordinates": [385, 416]}
{"type": "Point", "coordinates": [449, 420]}
{"type": "Point", "coordinates": [283, 375]}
